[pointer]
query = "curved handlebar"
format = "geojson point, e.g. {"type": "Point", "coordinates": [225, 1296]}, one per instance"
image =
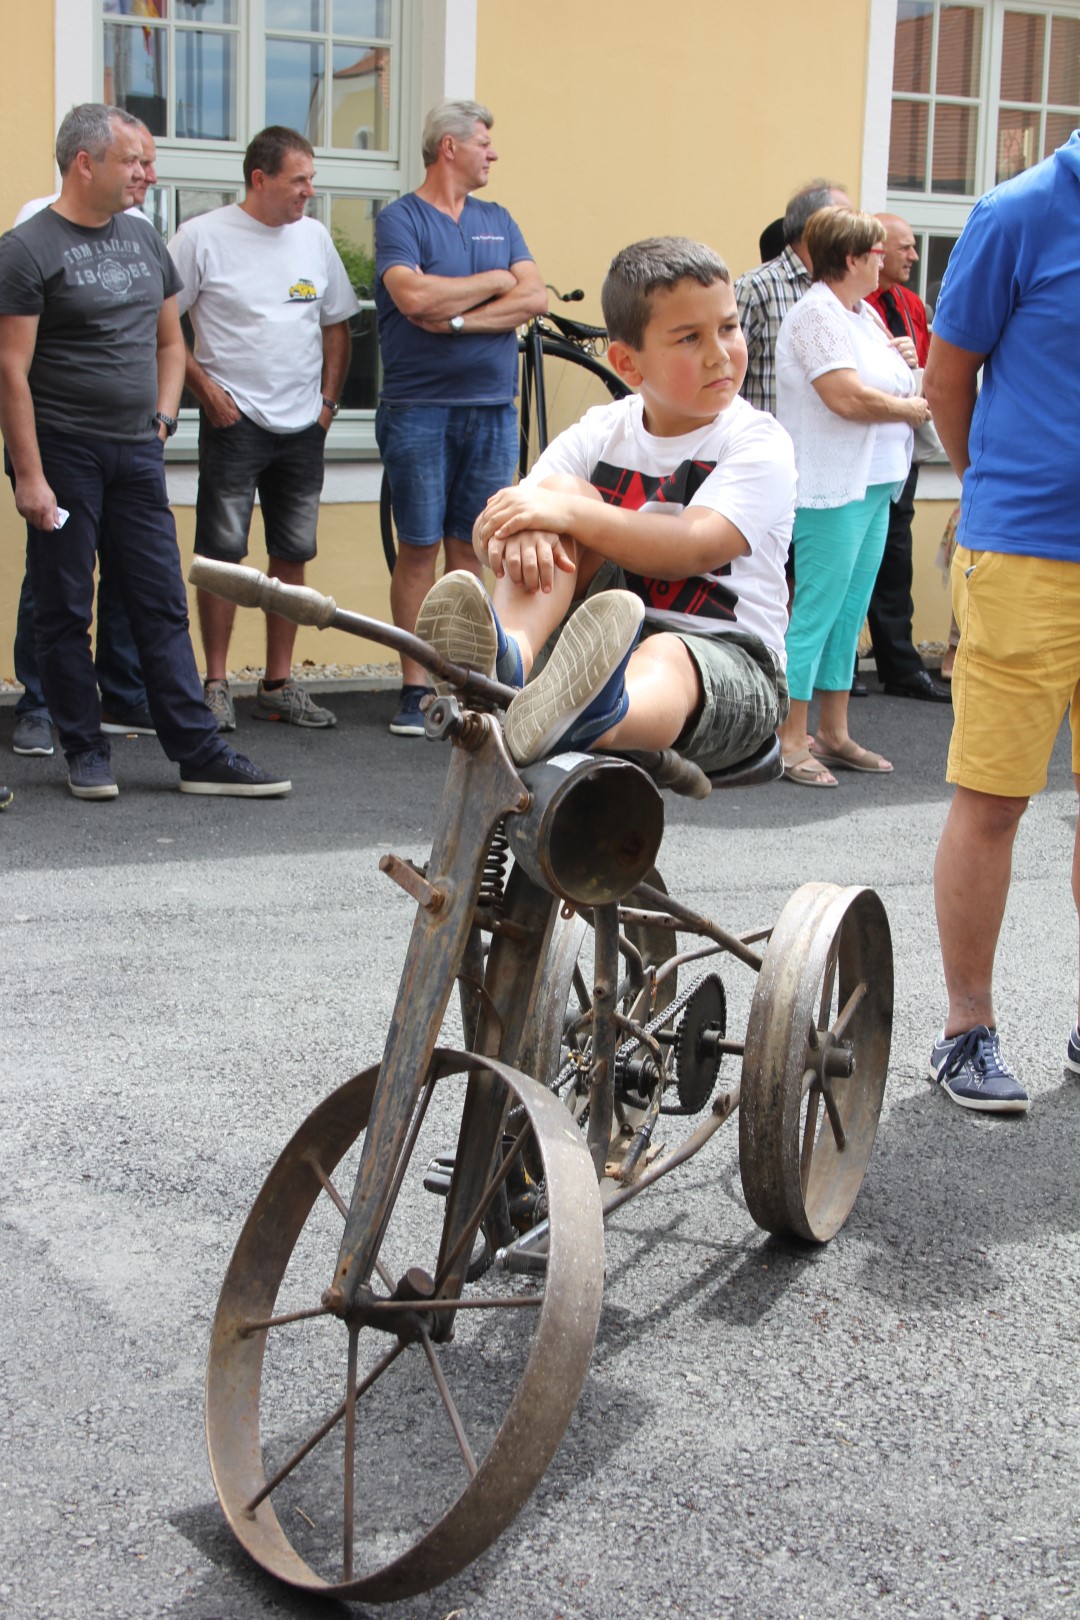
{"type": "Point", "coordinates": [247, 587]}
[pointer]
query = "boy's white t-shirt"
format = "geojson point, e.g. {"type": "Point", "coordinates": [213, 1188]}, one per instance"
{"type": "Point", "coordinates": [741, 465]}
{"type": "Point", "coordinates": [259, 296]}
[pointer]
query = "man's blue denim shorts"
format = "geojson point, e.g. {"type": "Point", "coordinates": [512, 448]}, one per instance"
{"type": "Point", "coordinates": [444, 463]}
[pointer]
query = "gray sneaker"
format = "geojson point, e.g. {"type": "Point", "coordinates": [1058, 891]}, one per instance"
{"type": "Point", "coordinates": [33, 733]}
{"type": "Point", "coordinates": [219, 702]}
{"type": "Point", "coordinates": [291, 704]}
{"type": "Point", "coordinates": [457, 618]}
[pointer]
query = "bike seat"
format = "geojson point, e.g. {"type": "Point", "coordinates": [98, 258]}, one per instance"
{"type": "Point", "coordinates": [577, 331]}
{"type": "Point", "coordinates": [763, 765]}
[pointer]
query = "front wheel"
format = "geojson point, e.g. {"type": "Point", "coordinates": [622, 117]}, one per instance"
{"type": "Point", "coordinates": [373, 1451]}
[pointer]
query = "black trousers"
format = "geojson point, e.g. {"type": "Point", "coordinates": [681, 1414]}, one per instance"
{"type": "Point", "coordinates": [891, 608]}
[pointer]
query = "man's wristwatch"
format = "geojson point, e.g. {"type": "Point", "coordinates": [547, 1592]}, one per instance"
{"type": "Point", "coordinates": [169, 423]}
{"type": "Point", "coordinates": [331, 405]}
{"type": "Point", "coordinates": [456, 323]}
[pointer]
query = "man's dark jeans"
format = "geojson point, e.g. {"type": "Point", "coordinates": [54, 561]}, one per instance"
{"type": "Point", "coordinates": [116, 661]}
{"type": "Point", "coordinates": [117, 490]}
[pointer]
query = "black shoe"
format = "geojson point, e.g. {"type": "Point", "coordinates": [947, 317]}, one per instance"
{"type": "Point", "coordinates": [921, 685]}
{"type": "Point", "coordinates": [127, 722]}
{"type": "Point", "coordinates": [233, 776]}
{"type": "Point", "coordinates": [859, 687]}
{"type": "Point", "coordinates": [6, 797]}
{"type": "Point", "coordinates": [90, 775]}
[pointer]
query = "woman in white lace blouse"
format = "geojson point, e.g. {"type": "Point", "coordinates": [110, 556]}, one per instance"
{"type": "Point", "coordinates": [845, 391]}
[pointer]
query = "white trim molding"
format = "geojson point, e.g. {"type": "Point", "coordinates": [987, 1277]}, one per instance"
{"type": "Point", "coordinates": [877, 116]}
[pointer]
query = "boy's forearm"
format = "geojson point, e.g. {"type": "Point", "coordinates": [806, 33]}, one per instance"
{"type": "Point", "coordinates": [652, 543]}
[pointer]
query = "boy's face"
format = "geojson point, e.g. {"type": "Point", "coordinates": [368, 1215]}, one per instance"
{"type": "Point", "coordinates": [692, 358]}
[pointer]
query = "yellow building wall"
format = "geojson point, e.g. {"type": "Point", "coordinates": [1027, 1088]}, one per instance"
{"type": "Point", "coordinates": [615, 119]}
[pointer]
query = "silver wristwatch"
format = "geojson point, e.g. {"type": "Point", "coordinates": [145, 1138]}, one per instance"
{"type": "Point", "coordinates": [456, 324]}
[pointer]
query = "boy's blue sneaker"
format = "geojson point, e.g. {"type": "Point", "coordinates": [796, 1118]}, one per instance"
{"type": "Point", "coordinates": [581, 691]}
{"type": "Point", "coordinates": [1072, 1052]}
{"type": "Point", "coordinates": [457, 617]}
{"type": "Point", "coordinates": [969, 1068]}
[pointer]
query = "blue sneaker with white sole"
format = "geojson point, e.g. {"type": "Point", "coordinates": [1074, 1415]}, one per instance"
{"type": "Point", "coordinates": [457, 617]}
{"type": "Point", "coordinates": [581, 691]}
{"type": "Point", "coordinates": [970, 1070]}
{"type": "Point", "coordinates": [1072, 1052]}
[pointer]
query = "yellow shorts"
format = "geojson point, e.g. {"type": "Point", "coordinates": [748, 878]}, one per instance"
{"type": "Point", "coordinates": [1017, 669]}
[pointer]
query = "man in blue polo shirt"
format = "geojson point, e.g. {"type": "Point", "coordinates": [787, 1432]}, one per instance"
{"type": "Point", "coordinates": [454, 281]}
{"type": "Point", "coordinates": [1008, 298]}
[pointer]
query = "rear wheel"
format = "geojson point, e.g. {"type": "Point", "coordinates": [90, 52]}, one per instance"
{"type": "Point", "coordinates": [573, 382]}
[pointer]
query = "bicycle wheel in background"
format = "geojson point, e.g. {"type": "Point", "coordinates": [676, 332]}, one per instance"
{"type": "Point", "coordinates": [386, 523]}
{"type": "Point", "coordinates": [573, 383]}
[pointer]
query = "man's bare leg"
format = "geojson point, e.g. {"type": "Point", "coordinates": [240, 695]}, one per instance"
{"type": "Point", "coordinates": [413, 577]}
{"type": "Point", "coordinates": [281, 633]}
{"type": "Point", "coordinates": [1076, 879]}
{"type": "Point", "coordinates": [215, 626]}
{"type": "Point", "coordinates": [971, 885]}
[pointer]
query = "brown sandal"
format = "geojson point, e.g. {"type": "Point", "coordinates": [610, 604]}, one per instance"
{"type": "Point", "coordinates": [806, 770]}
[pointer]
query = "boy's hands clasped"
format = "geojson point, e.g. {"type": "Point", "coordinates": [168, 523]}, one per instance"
{"type": "Point", "coordinates": [518, 534]}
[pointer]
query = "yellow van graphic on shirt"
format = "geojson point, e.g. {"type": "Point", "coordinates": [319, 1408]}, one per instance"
{"type": "Point", "coordinates": [302, 291]}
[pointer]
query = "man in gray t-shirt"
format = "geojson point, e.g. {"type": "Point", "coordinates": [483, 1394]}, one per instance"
{"type": "Point", "coordinates": [91, 368]}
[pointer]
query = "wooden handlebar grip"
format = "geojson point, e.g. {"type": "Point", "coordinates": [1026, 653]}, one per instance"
{"type": "Point", "coordinates": [247, 587]}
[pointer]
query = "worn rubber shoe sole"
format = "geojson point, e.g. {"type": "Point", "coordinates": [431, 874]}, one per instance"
{"type": "Point", "coordinates": [456, 617]}
{"type": "Point", "coordinates": [594, 646]}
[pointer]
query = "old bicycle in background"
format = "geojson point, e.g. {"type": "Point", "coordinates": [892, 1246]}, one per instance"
{"type": "Point", "coordinates": [403, 1330]}
{"type": "Point", "coordinates": [563, 373]}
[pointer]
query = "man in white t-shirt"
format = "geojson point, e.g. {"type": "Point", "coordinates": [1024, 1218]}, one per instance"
{"type": "Point", "coordinates": [270, 302]}
{"type": "Point", "coordinates": [685, 492]}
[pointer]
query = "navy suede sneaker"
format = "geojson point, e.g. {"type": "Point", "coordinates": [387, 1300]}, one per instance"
{"type": "Point", "coordinates": [1072, 1052]}
{"type": "Point", "coordinates": [969, 1068]}
{"type": "Point", "coordinates": [232, 776]}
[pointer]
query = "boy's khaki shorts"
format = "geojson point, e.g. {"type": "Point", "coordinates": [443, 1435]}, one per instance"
{"type": "Point", "coordinates": [1017, 669]}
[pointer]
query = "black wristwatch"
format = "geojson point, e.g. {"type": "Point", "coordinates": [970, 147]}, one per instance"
{"type": "Point", "coordinates": [169, 423]}
{"type": "Point", "coordinates": [331, 405]}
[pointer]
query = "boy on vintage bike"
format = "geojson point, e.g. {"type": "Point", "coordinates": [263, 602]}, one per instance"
{"type": "Point", "coordinates": [684, 494]}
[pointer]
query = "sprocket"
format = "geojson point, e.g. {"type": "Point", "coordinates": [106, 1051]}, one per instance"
{"type": "Point", "coordinates": [697, 1060]}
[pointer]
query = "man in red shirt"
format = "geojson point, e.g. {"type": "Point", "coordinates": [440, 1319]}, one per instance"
{"type": "Point", "coordinates": [900, 669]}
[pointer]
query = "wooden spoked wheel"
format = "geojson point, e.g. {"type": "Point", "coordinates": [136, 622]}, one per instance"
{"type": "Point", "coordinates": [374, 1454]}
{"type": "Point", "coordinates": [816, 1058]}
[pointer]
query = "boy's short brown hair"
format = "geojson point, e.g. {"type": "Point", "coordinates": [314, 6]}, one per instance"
{"type": "Point", "coordinates": [833, 234]}
{"type": "Point", "coordinates": [660, 262]}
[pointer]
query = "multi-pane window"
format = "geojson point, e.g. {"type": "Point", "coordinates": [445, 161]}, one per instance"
{"type": "Point", "coordinates": [981, 91]}
{"type": "Point", "coordinates": [206, 75]}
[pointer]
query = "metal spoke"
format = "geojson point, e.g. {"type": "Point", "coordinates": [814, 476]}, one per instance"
{"type": "Point", "coordinates": [489, 1302]}
{"type": "Point", "coordinates": [246, 1329]}
{"type": "Point", "coordinates": [472, 1225]}
{"type": "Point", "coordinates": [581, 989]}
{"type": "Point", "coordinates": [335, 1197]}
{"type": "Point", "coordinates": [839, 1134]}
{"type": "Point", "coordinates": [846, 1012]}
{"type": "Point", "coordinates": [404, 1160]}
{"type": "Point", "coordinates": [451, 1410]}
{"type": "Point", "coordinates": [323, 1430]}
{"type": "Point", "coordinates": [828, 983]}
{"type": "Point", "coordinates": [809, 1134]}
{"type": "Point", "coordinates": [349, 1462]}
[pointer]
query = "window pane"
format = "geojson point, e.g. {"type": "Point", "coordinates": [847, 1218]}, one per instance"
{"type": "Point", "coordinates": [294, 86]}
{"type": "Point", "coordinates": [955, 133]}
{"type": "Point", "coordinates": [361, 105]}
{"type": "Point", "coordinates": [136, 73]}
{"type": "Point", "coordinates": [352, 226]}
{"type": "Point", "coordinates": [959, 62]}
{"type": "Point", "coordinates": [914, 37]}
{"type": "Point", "coordinates": [205, 86]}
{"type": "Point", "coordinates": [1017, 142]}
{"type": "Point", "coordinates": [1064, 62]}
{"type": "Point", "coordinates": [192, 201]}
{"type": "Point", "coordinates": [1022, 56]}
{"type": "Point", "coordinates": [201, 11]}
{"type": "Point", "coordinates": [935, 258]}
{"type": "Point", "coordinates": [155, 205]}
{"type": "Point", "coordinates": [907, 146]}
{"type": "Point", "coordinates": [370, 19]}
{"type": "Point", "coordinates": [1059, 126]}
{"type": "Point", "coordinates": [307, 15]}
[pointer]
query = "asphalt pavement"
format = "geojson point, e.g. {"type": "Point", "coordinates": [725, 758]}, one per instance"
{"type": "Point", "coordinates": [886, 1426]}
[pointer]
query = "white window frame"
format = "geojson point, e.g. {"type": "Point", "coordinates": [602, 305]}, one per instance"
{"type": "Point", "coordinates": [436, 57]}
{"type": "Point", "coordinates": [933, 214]}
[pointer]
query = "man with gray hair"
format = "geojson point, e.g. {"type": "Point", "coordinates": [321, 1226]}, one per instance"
{"type": "Point", "coordinates": [765, 295]}
{"type": "Point", "coordinates": [453, 282]}
{"type": "Point", "coordinates": [91, 369]}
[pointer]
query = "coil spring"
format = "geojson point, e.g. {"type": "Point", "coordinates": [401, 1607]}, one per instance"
{"type": "Point", "coordinates": [493, 882]}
